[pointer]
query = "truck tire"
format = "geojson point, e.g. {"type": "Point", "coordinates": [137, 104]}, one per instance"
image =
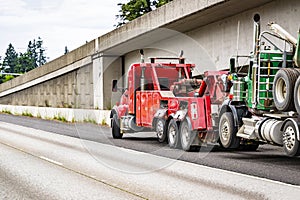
{"type": "Point", "coordinates": [161, 130]}
{"type": "Point", "coordinates": [283, 89]}
{"type": "Point", "coordinates": [187, 136]}
{"type": "Point", "coordinates": [115, 129]}
{"type": "Point", "coordinates": [297, 95]}
{"type": "Point", "coordinates": [227, 132]}
{"type": "Point", "coordinates": [173, 134]}
{"type": "Point", "coordinates": [290, 143]}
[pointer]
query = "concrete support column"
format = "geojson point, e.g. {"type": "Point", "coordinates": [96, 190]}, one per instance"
{"type": "Point", "coordinates": [98, 66]}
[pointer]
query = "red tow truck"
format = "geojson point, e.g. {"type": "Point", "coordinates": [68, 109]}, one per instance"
{"type": "Point", "coordinates": [163, 97]}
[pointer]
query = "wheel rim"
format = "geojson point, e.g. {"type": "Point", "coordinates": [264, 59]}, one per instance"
{"type": "Point", "coordinates": [281, 90]}
{"type": "Point", "coordinates": [160, 128]}
{"type": "Point", "coordinates": [289, 138]}
{"type": "Point", "coordinates": [172, 134]}
{"type": "Point", "coordinates": [225, 131]}
{"type": "Point", "coordinates": [185, 135]}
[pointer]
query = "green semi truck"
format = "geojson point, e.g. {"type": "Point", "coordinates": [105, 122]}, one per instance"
{"type": "Point", "coordinates": [264, 101]}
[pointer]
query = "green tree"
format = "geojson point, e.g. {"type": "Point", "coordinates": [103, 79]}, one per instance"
{"type": "Point", "coordinates": [10, 60]}
{"type": "Point", "coordinates": [66, 50]}
{"type": "Point", "coordinates": [22, 62]}
{"type": "Point", "coordinates": [25, 63]}
{"type": "Point", "coordinates": [160, 3]}
{"type": "Point", "coordinates": [35, 51]}
{"type": "Point", "coordinates": [40, 50]}
{"type": "Point", "coordinates": [7, 78]}
{"type": "Point", "coordinates": [136, 8]}
{"type": "Point", "coordinates": [31, 53]}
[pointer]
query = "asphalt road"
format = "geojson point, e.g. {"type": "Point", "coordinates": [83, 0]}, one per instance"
{"type": "Point", "coordinates": [267, 162]}
{"type": "Point", "coordinates": [24, 176]}
{"type": "Point", "coordinates": [36, 164]}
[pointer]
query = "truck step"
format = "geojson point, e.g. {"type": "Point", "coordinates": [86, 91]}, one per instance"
{"type": "Point", "coordinates": [246, 135]}
{"type": "Point", "coordinates": [248, 129]}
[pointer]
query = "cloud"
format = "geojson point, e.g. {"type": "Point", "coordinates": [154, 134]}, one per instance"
{"type": "Point", "coordinates": [11, 7]}
{"type": "Point", "coordinates": [59, 23]}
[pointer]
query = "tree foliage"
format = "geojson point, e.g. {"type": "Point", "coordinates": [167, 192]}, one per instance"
{"type": "Point", "coordinates": [19, 63]}
{"type": "Point", "coordinates": [35, 51]}
{"type": "Point", "coordinates": [136, 8]}
{"type": "Point", "coordinates": [10, 60]}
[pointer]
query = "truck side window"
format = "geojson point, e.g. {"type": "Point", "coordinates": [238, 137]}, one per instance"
{"type": "Point", "coordinates": [164, 83]}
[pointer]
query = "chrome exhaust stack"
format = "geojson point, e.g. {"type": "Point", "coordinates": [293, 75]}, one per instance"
{"type": "Point", "coordinates": [143, 82]}
{"type": "Point", "coordinates": [256, 34]}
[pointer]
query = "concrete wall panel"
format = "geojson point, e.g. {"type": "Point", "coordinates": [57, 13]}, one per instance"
{"type": "Point", "coordinates": [72, 90]}
{"type": "Point", "coordinates": [207, 32]}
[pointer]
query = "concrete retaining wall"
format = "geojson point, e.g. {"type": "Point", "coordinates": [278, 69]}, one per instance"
{"type": "Point", "coordinates": [206, 30]}
{"type": "Point", "coordinates": [59, 63]}
{"type": "Point", "coordinates": [101, 117]}
{"type": "Point", "coordinates": [71, 90]}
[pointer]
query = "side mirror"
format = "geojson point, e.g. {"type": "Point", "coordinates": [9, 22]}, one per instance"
{"type": "Point", "coordinates": [114, 86]}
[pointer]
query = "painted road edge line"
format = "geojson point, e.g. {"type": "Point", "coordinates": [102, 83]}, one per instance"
{"type": "Point", "coordinates": [50, 160]}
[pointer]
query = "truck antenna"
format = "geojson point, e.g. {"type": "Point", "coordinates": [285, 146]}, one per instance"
{"type": "Point", "coordinates": [142, 56]}
{"type": "Point", "coordinates": [181, 54]}
{"type": "Point", "coordinates": [238, 38]}
{"type": "Point", "coordinates": [181, 59]}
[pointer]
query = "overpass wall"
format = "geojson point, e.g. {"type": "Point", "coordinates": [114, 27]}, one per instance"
{"type": "Point", "coordinates": [82, 78]}
{"type": "Point", "coordinates": [210, 46]}
{"type": "Point", "coordinates": [72, 90]}
{"type": "Point", "coordinates": [66, 82]}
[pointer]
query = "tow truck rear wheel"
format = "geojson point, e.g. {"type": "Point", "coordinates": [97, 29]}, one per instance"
{"type": "Point", "coordinates": [161, 130]}
{"type": "Point", "coordinates": [186, 136]}
{"type": "Point", "coordinates": [290, 143]}
{"type": "Point", "coordinates": [173, 134]}
{"type": "Point", "coordinates": [115, 129]}
{"type": "Point", "coordinates": [227, 132]}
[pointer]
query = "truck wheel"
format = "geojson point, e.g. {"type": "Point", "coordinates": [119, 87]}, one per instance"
{"type": "Point", "coordinates": [227, 132]}
{"type": "Point", "coordinates": [115, 130]}
{"type": "Point", "coordinates": [290, 142]}
{"type": "Point", "coordinates": [186, 136]}
{"type": "Point", "coordinates": [161, 130]}
{"type": "Point", "coordinates": [173, 134]}
{"type": "Point", "coordinates": [297, 95]}
{"type": "Point", "coordinates": [283, 89]}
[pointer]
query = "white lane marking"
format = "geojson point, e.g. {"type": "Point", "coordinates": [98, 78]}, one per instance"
{"type": "Point", "coordinates": [52, 161]}
{"type": "Point", "coordinates": [251, 176]}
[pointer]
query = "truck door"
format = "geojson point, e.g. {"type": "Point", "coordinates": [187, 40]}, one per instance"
{"type": "Point", "coordinates": [147, 103]}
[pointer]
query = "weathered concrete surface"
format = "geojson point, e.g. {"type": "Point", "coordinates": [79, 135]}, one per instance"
{"type": "Point", "coordinates": [178, 15]}
{"type": "Point", "coordinates": [61, 62]}
{"type": "Point", "coordinates": [71, 89]}
{"type": "Point", "coordinates": [207, 31]}
{"type": "Point", "coordinates": [70, 115]}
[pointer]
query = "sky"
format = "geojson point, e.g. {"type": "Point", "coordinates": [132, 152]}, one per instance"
{"type": "Point", "coordinates": [59, 23]}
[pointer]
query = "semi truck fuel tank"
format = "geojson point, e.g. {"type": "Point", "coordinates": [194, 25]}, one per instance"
{"type": "Point", "coordinates": [270, 131]}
